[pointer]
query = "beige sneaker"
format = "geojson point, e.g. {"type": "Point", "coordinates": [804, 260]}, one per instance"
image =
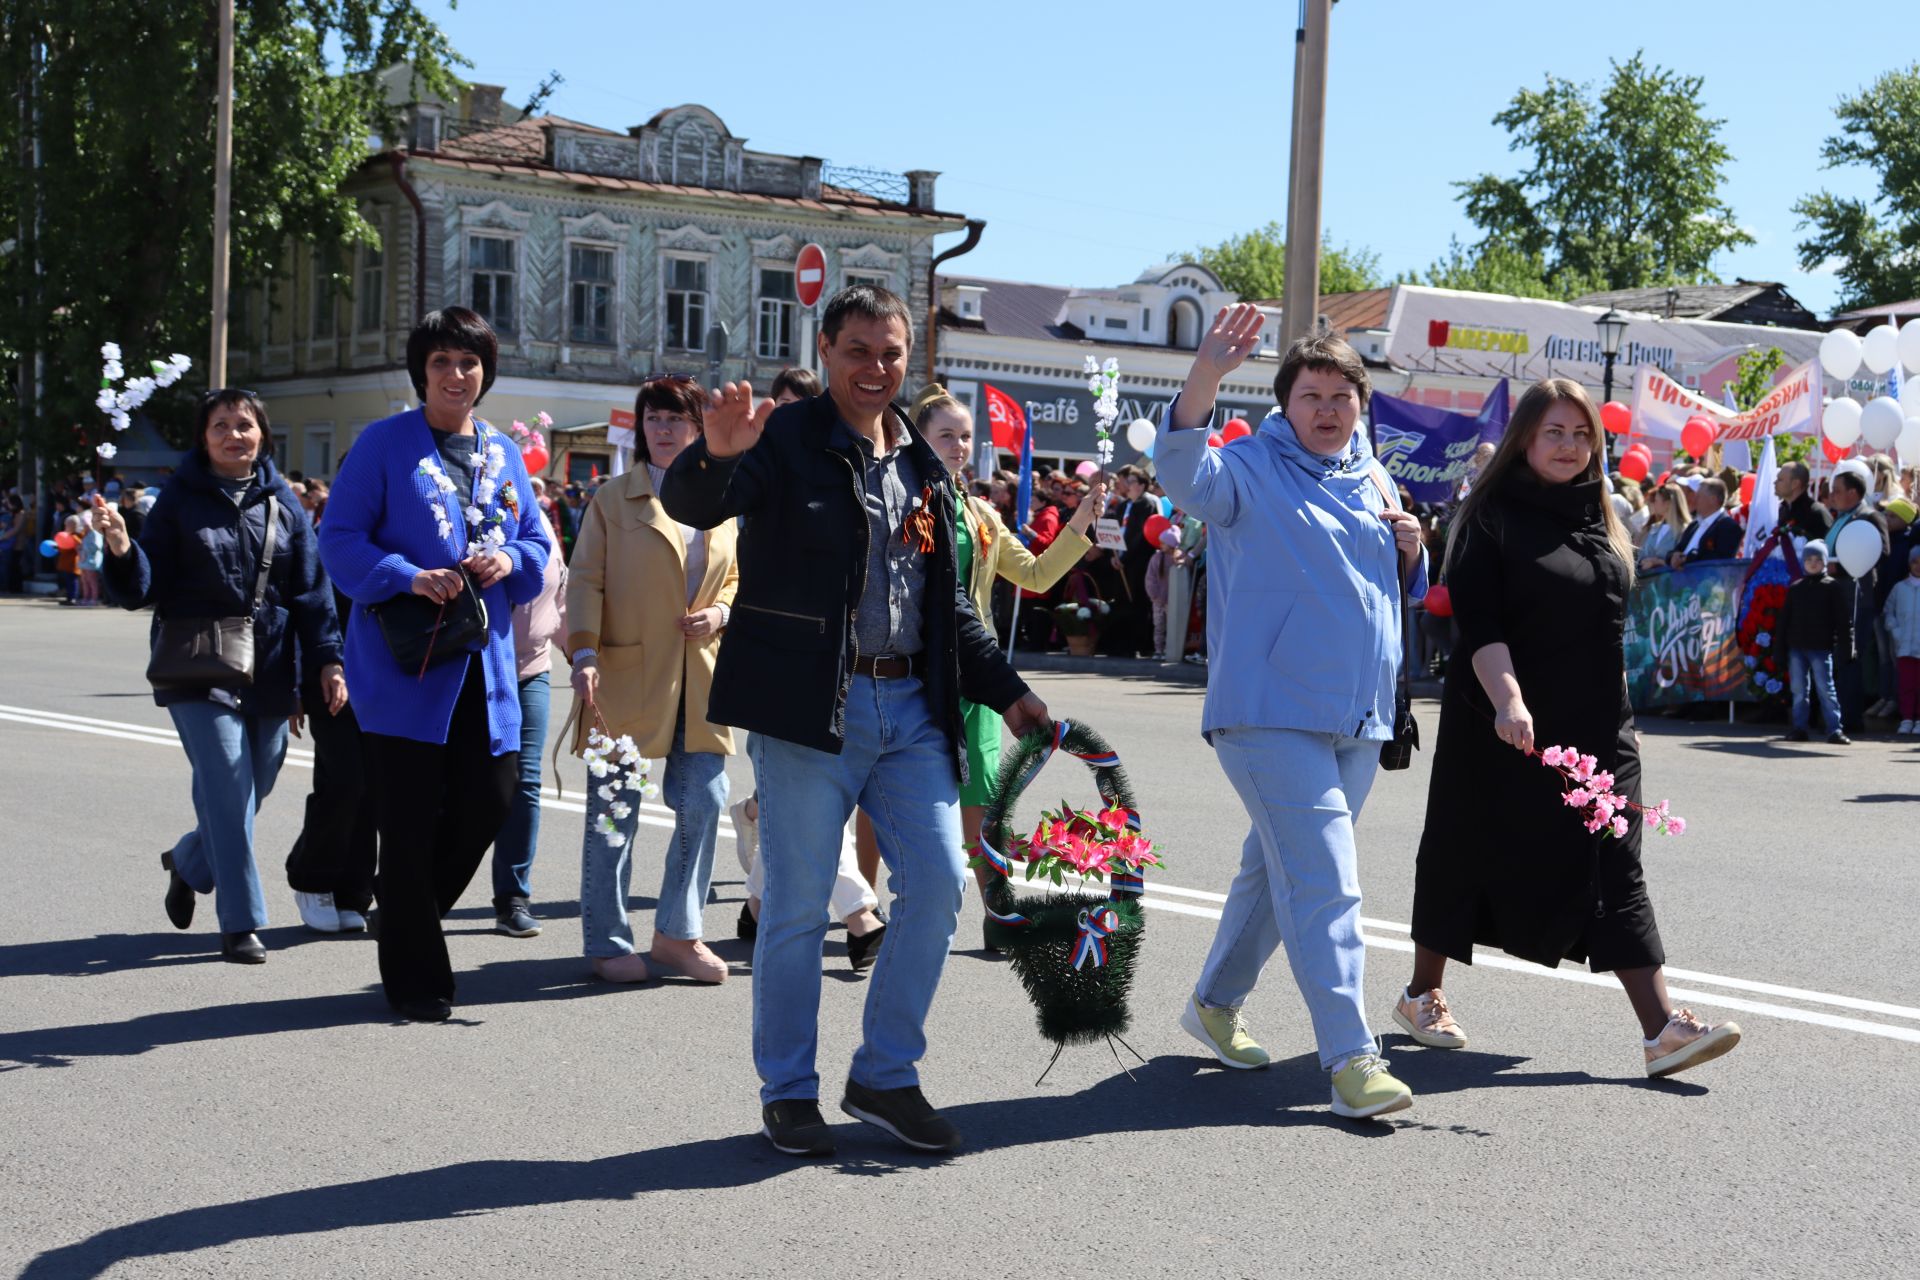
{"type": "Point", "coordinates": [690, 958]}
{"type": "Point", "coordinates": [1429, 1020]}
{"type": "Point", "coordinates": [1224, 1034]}
{"type": "Point", "coordinates": [1687, 1042]}
{"type": "Point", "coordinates": [627, 968]}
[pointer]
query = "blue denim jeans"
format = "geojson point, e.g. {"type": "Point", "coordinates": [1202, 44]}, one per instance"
{"type": "Point", "coordinates": [236, 758]}
{"type": "Point", "coordinates": [519, 838]}
{"type": "Point", "coordinates": [1813, 667]}
{"type": "Point", "coordinates": [1299, 878]}
{"type": "Point", "coordinates": [898, 765]}
{"type": "Point", "coordinates": [694, 786]}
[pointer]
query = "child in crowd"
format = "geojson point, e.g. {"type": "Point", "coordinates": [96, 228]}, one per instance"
{"type": "Point", "coordinates": [93, 553]}
{"type": "Point", "coordinates": [66, 565]}
{"type": "Point", "coordinates": [1815, 623]}
{"type": "Point", "coordinates": [1157, 571]}
{"type": "Point", "coordinates": [1902, 616]}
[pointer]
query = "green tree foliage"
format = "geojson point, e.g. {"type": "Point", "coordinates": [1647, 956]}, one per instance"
{"type": "Point", "coordinates": [123, 190]}
{"type": "Point", "coordinates": [1254, 265]}
{"type": "Point", "coordinates": [1497, 267]}
{"type": "Point", "coordinates": [1875, 244]}
{"type": "Point", "coordinates": [1754, 375]}
{"type": "Point", "coordinates": [1622, 189]}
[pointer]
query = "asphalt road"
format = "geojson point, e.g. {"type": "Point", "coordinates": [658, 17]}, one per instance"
{"type": "Point", "coordinates": [164, 1114]}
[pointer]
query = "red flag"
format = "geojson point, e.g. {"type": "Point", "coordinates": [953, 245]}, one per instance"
{"type": "Point", "coordinates": [1007, 420]}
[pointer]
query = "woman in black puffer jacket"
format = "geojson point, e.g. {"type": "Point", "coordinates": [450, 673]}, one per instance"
{"type": "Point", "coordinates": [199, 556]}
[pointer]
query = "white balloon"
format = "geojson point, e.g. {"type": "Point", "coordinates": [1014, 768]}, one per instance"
{"type": "Point", "coordinates": [1841, 422]}
{"type": "Point", "coordinates": [1858, 548]}
{"type": "Point", "coordinates": [1881, 421]}
{"type": "Point", "coordinates": [1910, 345]}
{"type": "Point", "coordinates": [1140, 433]}
{"type": "Point", "coordinates": [1910, 397]}
{"type": "Point", "coordinates": [1909, 442]}
{"type": "Point", "coordinates": [1880, 348]}
{"type": "Point", "coordinates": [1840, 354]}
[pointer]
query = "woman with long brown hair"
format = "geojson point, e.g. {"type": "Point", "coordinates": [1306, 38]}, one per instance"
{"type": "Point", "coordinates": [1539, 566]}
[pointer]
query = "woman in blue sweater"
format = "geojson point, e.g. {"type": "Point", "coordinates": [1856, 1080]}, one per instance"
{"type": "Point", "coordinates": [199, 556]}
{"type": "Point", "coordinates": [1309, 559]}
{"type": "Point", "coordinates": [435, 502]}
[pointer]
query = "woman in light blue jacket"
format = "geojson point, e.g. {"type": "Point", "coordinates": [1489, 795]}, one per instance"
{"type": "Point", "coordinates": [1308, 560]}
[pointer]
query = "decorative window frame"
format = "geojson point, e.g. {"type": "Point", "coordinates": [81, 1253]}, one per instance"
{"type": "Point", "coordinates": [871, 258]}
{"type": "Point", "coordinates": [499, 220]}
{"type": "Point", "coordinates": [595, 231]}
{"type": "Point", "coordinates": [376, 217]}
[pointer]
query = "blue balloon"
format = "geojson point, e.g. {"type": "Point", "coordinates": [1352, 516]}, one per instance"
{"type": "Point", "coordinates": [1166, 507]}
{"type": "Point", "coordinates": [48, 550]}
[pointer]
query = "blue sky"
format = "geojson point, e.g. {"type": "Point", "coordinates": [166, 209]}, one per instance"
{"type": "Point", "coordinates": [1097, 139]}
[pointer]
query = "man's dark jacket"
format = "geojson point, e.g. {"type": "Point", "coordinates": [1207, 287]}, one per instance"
{"type": "Point", "coordinates": [1805, 517]}
{"type": "Point", "coordinates": [786, 659]}
{"type": "Point", "coordinates": [1722, 541]}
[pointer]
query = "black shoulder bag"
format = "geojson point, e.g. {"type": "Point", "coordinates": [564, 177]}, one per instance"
{"type": "Point", "coordinates": [1398, 754]}
{"type": "Point", "coordinates": [213, 653]}
{"type": "Point", "coordinates": [423, 634]}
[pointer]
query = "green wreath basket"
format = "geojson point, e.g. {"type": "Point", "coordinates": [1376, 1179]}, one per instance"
{"type": "Point", "coordinates": [1074, 953]}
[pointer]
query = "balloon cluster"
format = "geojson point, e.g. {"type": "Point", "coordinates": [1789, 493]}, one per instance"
{"type": "Point", "coordinates": [1884, 422]}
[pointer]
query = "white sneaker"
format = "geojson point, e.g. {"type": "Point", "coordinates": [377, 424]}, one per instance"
{"type": "Point", "coordinates": [746, 834]}
{"type": "Point", "coordinates": [318, 911]}
{"type": "Point", "coordinates": [352, 921]}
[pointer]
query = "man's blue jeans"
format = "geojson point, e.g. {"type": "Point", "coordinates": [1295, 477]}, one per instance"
{"type": "Point", "coordinates": [1299, 878]}
{"type": "Point", "coordinates": [1813, 667]}
{"type": "Point", "coordinates": [519, 838]}
{"type": "Point", "coordinates": [236, 758]}
{"type": "Point", "coordinates": [898, 765]}
{"type": "Point", "coordinates": [694, 786]}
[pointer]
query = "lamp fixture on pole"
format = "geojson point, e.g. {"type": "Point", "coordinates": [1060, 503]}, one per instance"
{"type": "Point", "coordinates": [1612, 327]}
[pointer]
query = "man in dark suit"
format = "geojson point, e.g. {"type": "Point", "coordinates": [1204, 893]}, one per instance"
{"type": "Point", "coordinates": [1851, 480]}
{"type": "Point", "coordinates": [1713, 535]}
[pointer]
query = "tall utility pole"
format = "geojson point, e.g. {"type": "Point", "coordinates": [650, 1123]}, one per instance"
{"type": "Point", "coordinates": [222, 198]}
{"type": "Point", "coordinates": [1300, 302]}
{"type": "Point", "coordinates": [31, 375]}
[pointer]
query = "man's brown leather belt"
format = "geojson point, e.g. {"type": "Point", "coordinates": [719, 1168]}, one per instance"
{"type": "Point", "coordinates": [886, 666]}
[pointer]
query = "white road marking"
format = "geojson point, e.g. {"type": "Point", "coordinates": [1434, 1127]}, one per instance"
{"type": "Point", "coordinates": [655, 815]}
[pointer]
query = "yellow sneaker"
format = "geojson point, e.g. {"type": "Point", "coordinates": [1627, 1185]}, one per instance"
{"type": "Point", "coordinates": [1223, 1032]}
{"type": "Point", "coordinates": [1364, 1087]}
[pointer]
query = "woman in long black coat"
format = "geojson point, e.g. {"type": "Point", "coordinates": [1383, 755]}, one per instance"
{"type": "Point", "coordinates": [1539, 567]}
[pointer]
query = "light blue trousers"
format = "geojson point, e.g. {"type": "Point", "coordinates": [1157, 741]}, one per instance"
{"type": "Point", "coordinates": [1299, 879]}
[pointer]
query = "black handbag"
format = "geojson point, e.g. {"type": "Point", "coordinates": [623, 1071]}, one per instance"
{"type": "Point", "coordinates": [421, 633]}
{"type": "Point", "coordinates": [1398, 753]}
{"type": "Point", "coordinates": [213, 653]}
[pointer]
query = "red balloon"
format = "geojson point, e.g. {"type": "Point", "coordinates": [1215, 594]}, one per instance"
{"type": "Point", "coordinates": [1746, 490]}
{"type": "Point", "coordinates": [1616, 417]}
{"type": "Point", "coordinates": [1634, 467]}
{"type": "Point", "coordinates": [536, 459]}
{"type": "Point", "coordinates": [1235, 429]}
{"type": "Point", "coordinates": [1697, 436]}
{"type": "Point", "coordinates": [1643, 449]}
{"type": "Point", "coordinates": [65, 541]}
{"type": "Point", "coordinates": [1664, 477]}
{"type": "Point", "coordinates": [1439, 601]}
{"type": "Point", "coordinates": [1833, 451]}
{"type": "Point", "coordinates": [1155, 526]}
{"type": "Point", "coordinates": [1214, 441]}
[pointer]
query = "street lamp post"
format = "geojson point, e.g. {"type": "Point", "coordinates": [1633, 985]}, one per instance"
{"type": "Point", "coordinates": [1612, 327]}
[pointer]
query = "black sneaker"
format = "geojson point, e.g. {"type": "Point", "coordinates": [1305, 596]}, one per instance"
{"type": "Point", "coordinates": [1839, 740]}
{"type": "Point", "coordinates": [746, 928]}
{"type": "Point", "coordinates": [511, 917]}
{"type": "Point", "coordinates": [795, 1127]}
{"type": "Point", "coordinates": [1797, 735]}
{"type": "Point", "coordinates": [905, 1113]}
{"type": "Point", "coordinates": [180, 898]}
{"type": "Point", "coordinates": [863, 952]}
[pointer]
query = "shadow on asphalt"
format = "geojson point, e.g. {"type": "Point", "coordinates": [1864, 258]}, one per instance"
{"type": "Point", "coordinates": [1883, 797]}
{"type": "Point", "coordinates": [1170, 1093]}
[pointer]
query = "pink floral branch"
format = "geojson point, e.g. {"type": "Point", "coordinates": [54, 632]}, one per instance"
{"type": "Point", "coordinates": [1589, 789]}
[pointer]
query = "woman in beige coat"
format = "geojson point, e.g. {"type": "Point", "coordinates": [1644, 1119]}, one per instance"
{"type": "Point", "coordinates": [647, 599]}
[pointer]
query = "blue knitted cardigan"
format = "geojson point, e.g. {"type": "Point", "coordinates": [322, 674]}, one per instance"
{"type": "Point", "coordinates": [380, 531]}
